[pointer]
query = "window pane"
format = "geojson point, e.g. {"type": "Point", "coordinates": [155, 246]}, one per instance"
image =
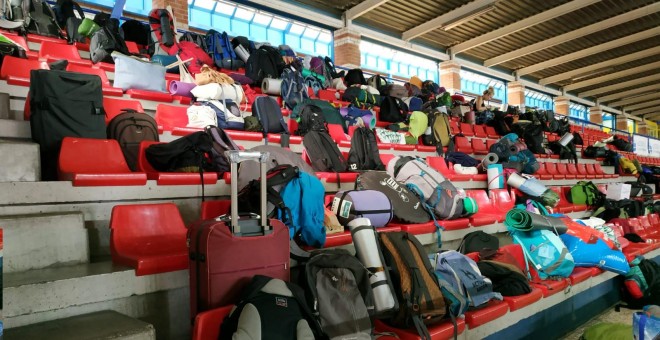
{"type": "Point", "coordinates": [225, 8]}
{"type": "Point", "coordinates": [206, 4]}
{"type": "Point", "coordinates": [278, 24]}
{"type": "Point", "coordinates": [244, 14]}
{"type": "Point", "coordinates": [262, 19]}
{"type": "Point", "coordinates": [296, 29]}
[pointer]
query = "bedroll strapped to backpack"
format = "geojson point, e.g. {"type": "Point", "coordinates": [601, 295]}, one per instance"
{"type": "Point", "coordinates": [162, 31]}
{"type": "Point", "coordinates": [278, 307]}
{"type": "Point", "coordinates": [420, 299]}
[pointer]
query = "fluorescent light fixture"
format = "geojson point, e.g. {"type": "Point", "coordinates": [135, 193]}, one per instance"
{"type": "Point", "coordinates": [467, 17]}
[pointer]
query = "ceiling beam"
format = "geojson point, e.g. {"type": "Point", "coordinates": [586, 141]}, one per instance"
{"type": "Point", "coordinates": [463, 11]}
{"type": "Point", "coordinates": [590, 51]}
{"type": "Point", "coordinates": [522, 24]}
{"type": "Point", "coordinates": [578, 33]}
{"type": "Point", "coordinates": [612, 76]}
{"type": "Point", "coordinates": [595, 67]}
{"type": "Point", "coordinates": [622, 85]}
{"type": "Point", "coordinates": [300, 11]}
{"type": "Point", "coordinates": [645, 111]}
{"type": "Point", "coordinates": [634, 100]}
{"type": "Point", "coordinates": [362, 8]}
{"type": "Point", "coordinates": [652, 103]}
{"type": "Point", "coordinates": [628, 93]}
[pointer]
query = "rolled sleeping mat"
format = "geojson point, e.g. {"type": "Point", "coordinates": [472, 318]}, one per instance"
{"type": "Point", "coordinates": [271, 86]}
{"type": "Point", "coordinates": [368, 252]}
{"type": "Point", "coordinates": [308, 73]}
{"type": "Point", "coordinates": [352, 114]}
{"type": "Point", "coordinates": [566, 138]}
{"type": "Point", "coordinates": [522, 220]}
{"type": "Point", "coordinates": [371, 204]}
{"type": "Point", "coordinates": [495, 176]}
{"type": "Point", "coordinates": [490, 158]}
{"type": "Point", "coordinates": [179, 88]}
{"type": "Point", "coordinates": [242, 53]}
{"type": "Point", "coordinates": [517, 147]}
{"type": "Point", "coordinates": [533, 187]}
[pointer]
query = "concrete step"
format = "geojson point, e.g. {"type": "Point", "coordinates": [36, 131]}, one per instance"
{"type": "Point", "coordinates": [54, 293]}
{"type": "Point", "coordinates": [10, 128]}
{"type": "Point", "coordinates": [20, 161]}
{"type": "Point", "coordinates": [44, 240]}
{"type": "Point", "coordinates": [98, 325]}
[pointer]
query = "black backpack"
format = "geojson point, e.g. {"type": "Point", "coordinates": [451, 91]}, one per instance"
{"type": "Point", "coordinates": [220, 142]}
{"type": "Point", "coordinates": [354, 77]}
{"type": "Point", "coordinates": [249, 198]}
{"type": "Point", "coordinates": [65, 15]}
{"type": "Point", "coordinates": [189, 153]}
{"type": "Point", "coordinates": [477, 241]}
{"type": "Point", "coordinates": [364, 153]}
{"type": "Point", "coordinates": [506, 281]}
{"type": "Point", "coordinates": [651, 272]}
{"type": "Point", "coordinates": [594, 152]}
{"type": "Point", "coordinates": [105, 41]}
{"type": "Point", "coordinates": [130, 128]}
{"type": "Point", "coordinates": [393, 110]}
{"type": "Point", "coordinates": [280, 308]}
{"type": "Point", "coordinates": [622, 144]}
{"type": "Point", "coordinates": [323, 152]}
{"type": "Point", "coordinates": [311, 119]}
{"type": "Point", "coordinates": [43, 20]}
{"type": "Point", "coordinates": [331, 69]}
{"type": "Point", "coordinates": [264, 62]}
{"type": "Point", "coordinates": [139, 33]}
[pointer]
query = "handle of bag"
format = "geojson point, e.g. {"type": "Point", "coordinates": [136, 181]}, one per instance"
{"type": "Point", "coordinates": [235, 157]}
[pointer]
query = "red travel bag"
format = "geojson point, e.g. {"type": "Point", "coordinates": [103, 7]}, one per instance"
{"type": "Point", "coordinates": [224, 256]}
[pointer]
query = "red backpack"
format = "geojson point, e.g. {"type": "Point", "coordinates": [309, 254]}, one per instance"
{"type": "Point", "coordinates": [190, 50]}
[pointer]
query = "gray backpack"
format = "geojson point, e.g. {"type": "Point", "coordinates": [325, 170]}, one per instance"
{"type": "Point", "coordinates": [341, 294]}
{"type": "Point", "coordinates": [105, 41]}
{"type": "Point", "coordinates": [466, 277]}
{"type": "Point", "coordinates": [440, 195]}
{"type": "Point", "coordinates": [294, 87]}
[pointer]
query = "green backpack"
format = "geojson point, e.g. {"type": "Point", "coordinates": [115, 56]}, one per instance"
{"type": "Point", "coordinates": [586, 192]}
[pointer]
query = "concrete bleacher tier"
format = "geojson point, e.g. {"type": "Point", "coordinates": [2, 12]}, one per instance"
{"type": "Point", "coordinates": [106, 238]}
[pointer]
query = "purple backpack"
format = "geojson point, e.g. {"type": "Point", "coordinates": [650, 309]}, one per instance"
{"type": "Point", "coordinates": [371, 204]}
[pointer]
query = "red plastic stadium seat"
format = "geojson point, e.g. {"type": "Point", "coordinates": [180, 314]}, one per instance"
{"type": "Point", "coordinates": [332, 177]}
{"type": "Point", "coordinates": [517, 302]}
{"type": "Point", "coordinates": [599, 171]}
{"type": "Point", "coordinates": [151, 238]}
{"type": "Point", "coordinates": [207, 324]}
{"type": "Point", "coordinates": [480, 131]}
{"type": "Point", "coordinates": [114, 106]}
{"type": "Point", "coordinates": [487, 214]}
{"type": "Point", "coordinates": [16, 71]}
{"type": "Point", "coordinates": [503, 201]}
{"type": "Point", "coordinates": [108, 90]}
{"type": "Point", "coordinates": [479, 146]}
{"type": "Point", "coordinates": [132, 47]}
{"type": "Point", "coordinates": [454, 128]}
{"type": "Point", "coordinates": [168, 116]}
{"type": "Point", "coordinates": [440, 331]}
{"type": "Point", "coordinates": [79, 162]}
{"type": "Point", "coordinates": [489, 143]}
{"type": "Point", "coordinates": [439, 164]}
{"type": "Point", "coordinates": [563, 169]}
{"type": "Point", "coordinates": [579, 274]}
{"type": "Point", "coordinates": [163, 97]}
{"type": "Point", "coordinates": [591, 170]}
{"type": "Point", "coordinates": [463, 145]}
{"type": "Point", "coordinates": [328, 95]}
{"type": "Point", "coordinates": [52, 51]}
{"type": "Point", "coordinates": [493, 310]}
{"type": "Point", "coordinates": [563, 206]}
{"type": "Point", "coordinates": [542, 172]}
{"type": "Point", "coordinates": [214, 208]}
{"type": "Point", "coordinates": [467, 130]}
{"type": "Point", "coordinates": [492, 133]}
{"type": "Point", "coordinates": [274, 138]}
{"type": "Point", "coordinates": [337, 133]}
{"type": "Point", "coordinates": [386, 158]}
{"type": "Point", "coordinates": [170, 178]}
{"type": "Point", "coordinates": [582, 171]}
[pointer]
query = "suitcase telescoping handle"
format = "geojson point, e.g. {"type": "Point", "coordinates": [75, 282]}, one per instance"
{"type": "Point", "coordinates": [236, 157]}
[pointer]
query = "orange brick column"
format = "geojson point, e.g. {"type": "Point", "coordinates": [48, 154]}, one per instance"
{"type": "Point", "coordinates": [596, 115]}
{"type": "Point", "coordinates": [516, 94]}
{"type": "Point", "coordinates": [179, 9]}
{"type": "Point", "coordinates": [347, 48]}
{"type": "Point", "coordinates": [622, 123]}
{"type": "Point", "coordinates": [450, 76]}
{"type": "Point", "coordinates": [562, 105]}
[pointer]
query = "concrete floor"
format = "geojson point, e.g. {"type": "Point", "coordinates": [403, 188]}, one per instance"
{"type": "Point", "coordinates": [610, 316]}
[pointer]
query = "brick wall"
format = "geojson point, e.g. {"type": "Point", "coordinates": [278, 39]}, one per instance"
{"type": "Point", "coordinates": [179, 9]}
{"type": "Point", "coordinates": [347, 48]}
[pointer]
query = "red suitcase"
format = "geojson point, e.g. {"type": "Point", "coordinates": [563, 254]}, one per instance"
{"type": "Point", "coordinates": [224, 256]}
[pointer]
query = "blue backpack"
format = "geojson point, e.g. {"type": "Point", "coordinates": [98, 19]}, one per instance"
{"type": "Point", "coordinates": [304, 196]}
{"type": "Point", "coordinates": [545, 251]}
{"type": "Point", "coordinates": [221, 50]}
